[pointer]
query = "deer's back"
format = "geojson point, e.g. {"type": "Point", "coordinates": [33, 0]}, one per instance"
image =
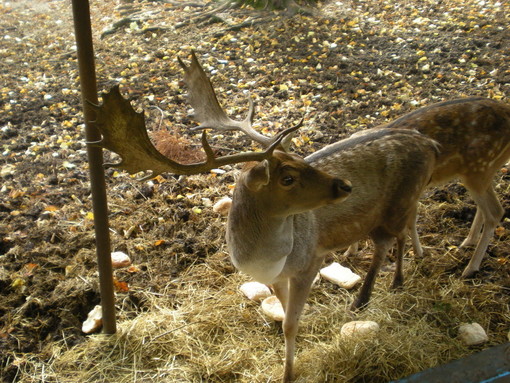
{"type": "Point", "coordinates": [388, 170]}
{"type": "Point", "coordinates": [473, 133]}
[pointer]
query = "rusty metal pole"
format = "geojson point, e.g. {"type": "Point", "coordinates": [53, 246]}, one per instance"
{"type": "Point", "coordinates": [87, 70]}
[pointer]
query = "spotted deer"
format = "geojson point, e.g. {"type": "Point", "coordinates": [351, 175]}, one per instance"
{"type": "Point", "coordinates": [474, 140]}
{"type": "Point", "coordinates": [288, 212]}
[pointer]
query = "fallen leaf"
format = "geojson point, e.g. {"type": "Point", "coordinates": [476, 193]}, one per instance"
{"type": "Point", "coordinates": [133, 269]}
{"type": "Point", "coordinates": [18, 283]}
{"type": "Point", "coordinates": [121, 287]}
{"type": "Point", "coordinates": [29, 268]}
{"type": "Point", "coordinates": [15, 193]}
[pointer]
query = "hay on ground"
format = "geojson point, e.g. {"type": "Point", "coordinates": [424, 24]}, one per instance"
{"type": "Point", "coordinates": [214, 334]}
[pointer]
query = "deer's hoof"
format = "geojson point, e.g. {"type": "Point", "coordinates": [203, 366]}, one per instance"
{"type": "Point", "coordinates": [398, 282]}
{"type": "Point", "coordinates": [469, 273]}
{"type": "Point", "coordinates": [359, 304]}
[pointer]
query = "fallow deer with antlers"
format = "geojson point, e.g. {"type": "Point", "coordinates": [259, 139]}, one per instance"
{"type": "Point", "coordinates": [287, 212]}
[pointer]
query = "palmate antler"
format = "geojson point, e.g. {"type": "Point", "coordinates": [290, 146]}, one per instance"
{"type": "Point", "coordinates": [208, 111]}
{"type": "Point", "coordinates": [123, 132]}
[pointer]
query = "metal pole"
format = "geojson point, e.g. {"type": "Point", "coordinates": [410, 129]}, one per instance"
{"type": "Point", "coordinates": [83, 34]}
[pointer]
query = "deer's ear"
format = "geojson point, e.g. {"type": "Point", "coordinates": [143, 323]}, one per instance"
{"type": "Point", "coordinates": [258, 176]}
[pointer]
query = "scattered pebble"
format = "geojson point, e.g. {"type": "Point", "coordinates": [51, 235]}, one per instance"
{"type": "Point", "coordinates": [68, 165]}
{"type": "Point", "coordinates": [342, 276]}
{"type": "Point", "coordinates": [472, 334]}
{"type": "Point", "coordinates": [7, 170]}
{"type": "Point", "coordinates": [120, 259]}
{"type": "Point", "coordinates": [94, 321]}
{"type": "Point", "coordinates": [255, 291]}
{"type": "Point", "coordinates": [207, 202]}
{"type": "Point", "coordinates": [223, 206]}
{"type": "Point", "coordinates": [272, 307]}
{"type": "Point", "coordinates": [359, 329]}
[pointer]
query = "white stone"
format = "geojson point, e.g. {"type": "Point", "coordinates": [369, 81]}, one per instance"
{"type": "Point", "coordinates": [359, 329]}
{"type": "Point", "coordinates": [120, 259]}
{"type": "Point", "coordinates": [342, 276]}
{"type": "Point", "coordinates": [94, 321]}
{"type": "Point", "coordinates": [223, 206]}
{"type": "Point", "coordinates": [472, 334]}
{"type": "Point", "coordinates": [272, 307]}
{"type": "Point", "coordinates": [255, 291]}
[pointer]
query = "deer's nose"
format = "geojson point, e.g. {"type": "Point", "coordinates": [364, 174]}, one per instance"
{"type": "Point", "coordinates": [341, 188]}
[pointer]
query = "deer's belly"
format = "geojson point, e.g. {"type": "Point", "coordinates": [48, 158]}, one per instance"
{"type": "Point", "coordinates": [263, 271]}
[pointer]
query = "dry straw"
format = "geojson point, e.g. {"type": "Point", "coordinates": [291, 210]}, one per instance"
{"type": "Point", "coordinates": [213, 334]}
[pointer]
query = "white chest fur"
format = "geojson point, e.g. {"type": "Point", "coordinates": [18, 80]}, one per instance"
{"type": "Point", "coordinates": [262, 270]}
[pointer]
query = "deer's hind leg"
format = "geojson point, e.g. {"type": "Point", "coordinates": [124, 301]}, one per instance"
{"type": "Point", "coordinates": [475, 231]}
{"type": "Point", "coordinates": [382, 244]}
{"type": "Point", "coordinates": [413, 233]}
{"type": "Point", "coordinates": [492, 212]}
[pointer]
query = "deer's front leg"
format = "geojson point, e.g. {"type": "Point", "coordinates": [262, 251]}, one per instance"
{"type": "Point", "coordinates": [281, 290]}
{"type": "Point", "coordinates": [298, 290]}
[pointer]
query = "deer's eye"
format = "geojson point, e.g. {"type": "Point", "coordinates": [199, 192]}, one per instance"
{"type": "Point", "coordinates": [287, 180]}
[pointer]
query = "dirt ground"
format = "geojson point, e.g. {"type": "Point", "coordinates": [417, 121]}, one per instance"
{"type": "Point", "coordinates": [352, 65]}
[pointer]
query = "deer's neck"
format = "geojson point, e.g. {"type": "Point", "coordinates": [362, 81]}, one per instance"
{"type": "Point", "coordinates": [258, 242]}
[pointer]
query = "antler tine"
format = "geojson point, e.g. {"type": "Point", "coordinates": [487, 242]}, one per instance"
{"type": "Point", "coordinates": [213, 162]}
{"type": "Point", "coordinates": [287, 137]}
{"type": "Point", "coordinates": [208, 111]}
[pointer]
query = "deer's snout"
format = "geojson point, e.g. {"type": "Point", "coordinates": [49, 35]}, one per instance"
{"type": "Point", "coordinates": [341, 188]}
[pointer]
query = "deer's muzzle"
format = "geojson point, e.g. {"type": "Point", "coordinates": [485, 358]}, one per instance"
{"type": "Point", "coordinates": [341, 189]}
